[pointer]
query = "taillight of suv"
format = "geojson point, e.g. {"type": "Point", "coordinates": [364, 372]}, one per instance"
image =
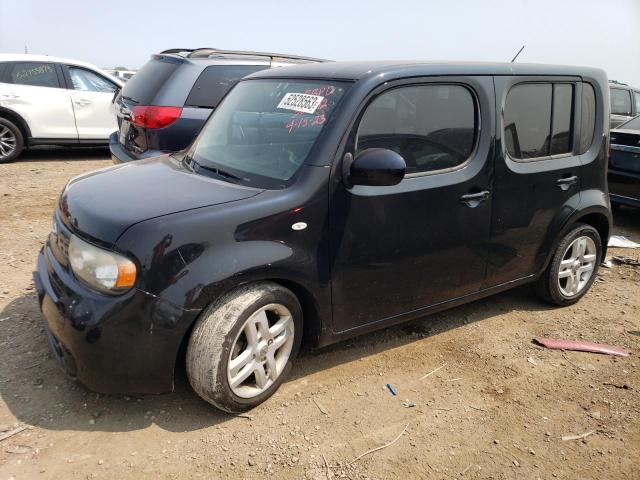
{"type": "Point", "coordinates": [152, 116]}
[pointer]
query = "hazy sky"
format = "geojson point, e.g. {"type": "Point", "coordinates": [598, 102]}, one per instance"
{"type": "Point", "coordinates": [598, 33]}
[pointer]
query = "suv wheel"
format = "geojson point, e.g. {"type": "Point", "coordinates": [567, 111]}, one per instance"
{"type": "Point", "coordinates": [11, 141]}
{"type": "Point", "coordinates": [573, 268]}
{"type": "Point", "coordinates": [241, 348]}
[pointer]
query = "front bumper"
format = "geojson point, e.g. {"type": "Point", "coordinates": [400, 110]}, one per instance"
{"type": "Point", "coordinates": [120, 344]}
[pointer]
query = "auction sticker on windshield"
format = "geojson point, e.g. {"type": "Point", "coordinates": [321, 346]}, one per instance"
{"type": "Point", "coordinates": [300, 102]}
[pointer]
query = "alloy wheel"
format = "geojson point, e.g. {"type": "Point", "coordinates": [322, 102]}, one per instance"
{"type": "Point", "coordinates": [261, 351]}
{"type": "Point", "coordinates": [577, 266]}
{"type": "Point", "coordinates": [7, 142]}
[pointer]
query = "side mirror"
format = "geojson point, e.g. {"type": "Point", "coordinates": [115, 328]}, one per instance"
{"type": "Point", "coordinates": [375, 167]}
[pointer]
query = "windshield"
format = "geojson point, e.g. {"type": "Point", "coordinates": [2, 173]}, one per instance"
{"type": "Point", "coordinates": [263, 131]}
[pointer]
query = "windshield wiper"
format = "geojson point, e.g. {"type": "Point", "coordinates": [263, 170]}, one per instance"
{"type": "Point", "coordinates": [218, 171]}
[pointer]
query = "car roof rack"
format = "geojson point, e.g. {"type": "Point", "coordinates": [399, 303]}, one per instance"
{"type": "Point", "coordinates": [618, 83]}
{"type": "Point", "coordinates": [215, 52]}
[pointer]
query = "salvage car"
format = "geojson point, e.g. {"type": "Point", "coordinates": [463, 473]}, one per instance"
{"type": "Point", "coordinates": [320, 202]}
{"type": "Point", "coordinates": [53, 101]}
{"type": "Point", "coordinates": [624, 164]}
{"type": "Point", "coordinates": [163, 107]}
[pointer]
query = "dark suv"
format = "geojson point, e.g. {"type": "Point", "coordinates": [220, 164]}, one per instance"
{"type": "Point", "coordinates": [625, 103]}
{"type": "Point", "coordinates": [162, 108]}
{"type": "Point", "coordinates": [320, 202]}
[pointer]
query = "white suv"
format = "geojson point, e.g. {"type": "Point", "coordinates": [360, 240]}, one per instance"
{"type": "Point", "coordinates": [53, 101]}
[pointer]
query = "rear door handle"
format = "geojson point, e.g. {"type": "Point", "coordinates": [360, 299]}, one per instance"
{"type": "Point", "coordinates": [472, 200]}
{"type": "Point", "coordinates": [566, 182]}
{"type": "Point", "coordinates": [82, 102]}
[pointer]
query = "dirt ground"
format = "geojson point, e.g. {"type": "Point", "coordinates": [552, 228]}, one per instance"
{"type": "Point", "coordinates": [497, 408]}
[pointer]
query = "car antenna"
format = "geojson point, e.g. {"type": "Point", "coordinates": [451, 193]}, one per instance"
{"type": "Point", "coordinates": [519, 51]}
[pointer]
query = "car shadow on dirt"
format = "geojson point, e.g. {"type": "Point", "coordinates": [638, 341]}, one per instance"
{"type": "Point", "coordinates": [626, 221]}
{"type": "Point", "coordinates": [56, 154]}
{"type": "Point", "coordinates": [38, 393]}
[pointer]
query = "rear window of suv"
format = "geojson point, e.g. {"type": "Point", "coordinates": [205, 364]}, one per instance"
{"type": "Point", "coordinates": [215, 81]}
{"type": "Point", "coordinates": [145, 84]}
{"type": "Point", "coordinates": [620, 102]}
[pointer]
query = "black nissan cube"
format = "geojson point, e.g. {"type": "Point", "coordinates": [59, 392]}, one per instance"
{"type": "Point", "coordinates": [320, 202]}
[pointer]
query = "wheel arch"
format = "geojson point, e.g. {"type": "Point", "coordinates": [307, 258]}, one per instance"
{"type": "Point", "coordinates": [597, 216]}
{"type": "Point", "coordinates": [312, 319]}
{"type": "Point", "coordinates": [19, 121]}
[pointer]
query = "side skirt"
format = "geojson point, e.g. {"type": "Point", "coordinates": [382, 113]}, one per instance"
{"type": "Point", "coordinates": [332, 337]}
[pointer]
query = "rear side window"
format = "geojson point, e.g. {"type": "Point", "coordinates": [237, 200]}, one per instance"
{"type": "Point", "coordinates": [215, 81]}
{"type": "Point", "coordinates": [527, 119]}
{"type": "Point", "coordinates": [588, 117]}
{"type": "Point", "coordinates": [538, 119]}
{"type": "Point", "coordinates": [620, 101]}
{"type": "Point", "coordinates": [562, 118]}
{"type": "Point", "coordinates": [433, 127]}
{"type": "Point", "coordinates": [36, 74]}
{"type": "Point", "coordinates": [636, 96]}
{"type": "Point", "coordinates": [145, 84]}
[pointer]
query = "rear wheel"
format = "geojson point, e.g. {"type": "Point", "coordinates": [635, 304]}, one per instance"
{"type": "Point", "coordinates": [573, 267]}
{"type": "Point", "coordinates": [11, 141]}
{"type": "Point", "coordinates": [241, 349]}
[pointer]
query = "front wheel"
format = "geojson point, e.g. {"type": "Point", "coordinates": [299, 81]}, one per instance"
{"type": "Point", "coordinates": [241, 349]}
{"type": "Point", "coordinates": [573, 267]}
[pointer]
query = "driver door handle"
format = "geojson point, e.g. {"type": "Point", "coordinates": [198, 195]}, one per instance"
{"type": "Point", "coordinates": [472, 200]}
{"type": "Point", "coordinates": [567, 181]}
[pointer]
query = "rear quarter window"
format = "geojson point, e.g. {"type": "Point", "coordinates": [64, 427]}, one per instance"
{"type": "Point", "coordinates": [588, 117]}
{"type": "Point", "coordinates": [215, 81]}
{"type": "Point", "coordinates": [146, 83]}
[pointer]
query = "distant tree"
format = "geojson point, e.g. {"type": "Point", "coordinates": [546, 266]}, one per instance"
{"type": "Point", "coordinates": [121, 68]}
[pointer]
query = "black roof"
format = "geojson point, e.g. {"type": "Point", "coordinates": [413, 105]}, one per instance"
{"type": "Point", "coordinates": [395, 69]}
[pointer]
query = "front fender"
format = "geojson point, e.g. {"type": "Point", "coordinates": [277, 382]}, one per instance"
{"type": "Point", "coordinates": [193, 257]}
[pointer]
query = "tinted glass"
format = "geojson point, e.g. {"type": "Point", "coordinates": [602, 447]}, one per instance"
{"type": "Point", "coordinates": [562, 115]}
{"type": "Point", "coordinates": [87, 81]}
{"type": "Point", "coordinates": [37, 74]}
{"type": "Point", "coordinates": [527, 120]}
{"type": "Point", "coordinates": [431, 126]}
{"type": "Point", "coordinates": [636, 96]}
{"type": "Point", "coordinates": [215, 81]}
{"type": "Point", "coordinates": [588, 120]}
{"type": "Point", "coordinates": [620, 101]}
{"type": "Point", "coordinates": [263, 131]}
{"type": "Point", "coordinates": [633, 124]}
{"type": "Point", "coordinates": [144, 85]}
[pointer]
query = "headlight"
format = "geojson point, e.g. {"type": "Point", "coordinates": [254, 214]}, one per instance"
{"type": "Point", "coordinates": [100, 269]}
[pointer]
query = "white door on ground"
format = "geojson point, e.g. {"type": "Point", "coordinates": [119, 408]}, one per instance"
{"type": "Point", "coordinates": [91, 95]}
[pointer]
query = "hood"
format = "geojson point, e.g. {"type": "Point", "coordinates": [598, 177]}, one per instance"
{"type": "Point", "coordinates": [104, 203]}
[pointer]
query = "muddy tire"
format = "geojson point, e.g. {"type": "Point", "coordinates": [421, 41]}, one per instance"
{"type": "Point", "coordinates": [241, 348]}
{"type": "Point", "coordinates": [11, 141]}
{"type": "Point", "coordinates": [573, 268]}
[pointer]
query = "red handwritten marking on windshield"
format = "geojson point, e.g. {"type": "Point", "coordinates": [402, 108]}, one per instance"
{"type": "Point", "coordinates": [298, 120]}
